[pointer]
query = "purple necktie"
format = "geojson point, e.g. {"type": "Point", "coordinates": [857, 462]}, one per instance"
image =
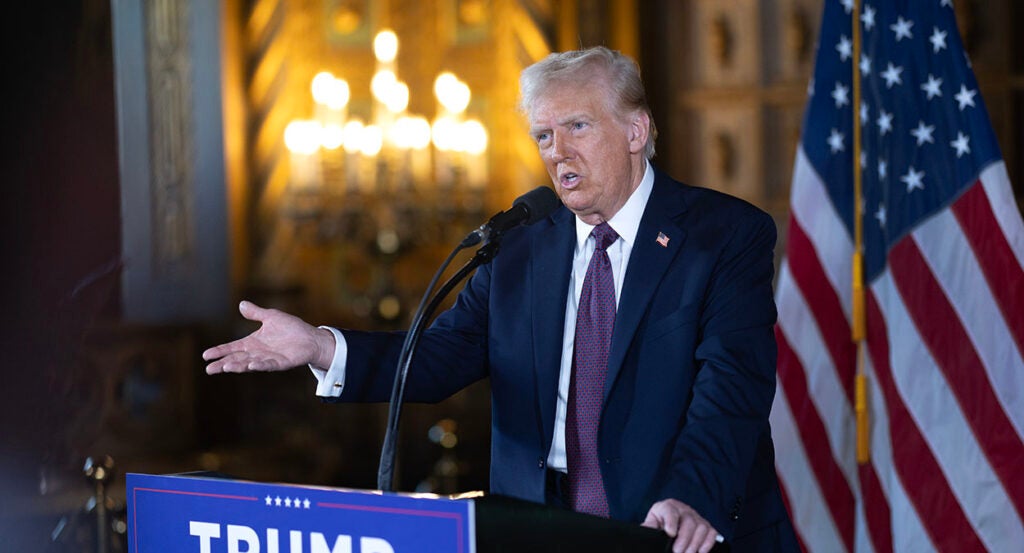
{"type": "Point", "coordinates": [595, 318]}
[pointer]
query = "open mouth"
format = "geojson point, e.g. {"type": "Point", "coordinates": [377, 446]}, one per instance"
{"type": "Point", "coordinates": [568, 180]}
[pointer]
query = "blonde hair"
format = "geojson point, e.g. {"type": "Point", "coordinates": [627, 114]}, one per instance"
{"type": "Point", "coordinates": [619, 73]}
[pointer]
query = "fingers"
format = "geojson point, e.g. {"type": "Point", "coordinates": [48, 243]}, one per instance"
{"type": "Point", "coordinates": [678, 520]}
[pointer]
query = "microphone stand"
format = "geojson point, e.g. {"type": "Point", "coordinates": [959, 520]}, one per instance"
{"type": "Point", "coordinates": [386, 470]}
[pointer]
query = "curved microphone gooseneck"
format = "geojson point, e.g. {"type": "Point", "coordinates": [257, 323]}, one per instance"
{"type": "Point", "coordinates": [526, 210]}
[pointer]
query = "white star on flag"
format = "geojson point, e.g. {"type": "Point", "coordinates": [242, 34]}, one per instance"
{"type": "Point", "coordinates": [847, 5]}
{"type": "Point", "coordinates": [938, 39]}
{"type": "Point", "coordinates": [923, 133]}
{"type": "Point", "coordinates": [883, 168]}
{"type": "Point", "coordinates": [965, 97]}
{"type": "Point", "coordinates": [880, 214]}
{"type": "Point", "coordinates": [961, 144]}
{"type": "Point", "coordinates": [841, 95]}
{"type": "Point", "coordinates": [932, 87]}
{"type": "Point", "coordinates": [892, 75]}
{"type": "Point", "coordinates": [835, 140]}
{"type": "Point", "coordinates": [868, 17]}
{"type": "Point", "coordinates": [865, 65]}
{"type": "Point", "coordinates": [902, 29]}
{"type": "Point", "coordinates": [845, 48]}
{"type": "Point", "coordinates": [884, 122]}
{"type": "Point", "coordinates": [864, 118]}
{"type": "Point", "coordinates": [913, 179]}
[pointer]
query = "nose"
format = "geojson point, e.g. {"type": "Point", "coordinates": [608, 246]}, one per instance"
{"type": "Point", "coordinates": [560, 149]}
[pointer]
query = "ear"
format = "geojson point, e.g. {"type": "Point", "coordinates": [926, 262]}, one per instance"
{"type": "Point", "coordinates": [639, 127]}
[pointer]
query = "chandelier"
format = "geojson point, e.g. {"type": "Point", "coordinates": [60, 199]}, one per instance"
{"type": "Point", "coordinates": [382, 179]}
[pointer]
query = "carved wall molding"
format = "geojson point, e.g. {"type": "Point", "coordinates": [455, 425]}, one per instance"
{"type": "Point", "coordinates": [170, 87]}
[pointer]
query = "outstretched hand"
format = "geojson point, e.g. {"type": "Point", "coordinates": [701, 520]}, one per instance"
{"type": "Point", "coordinates": [680, 521]}
{"type": "Point", "coordinates": [283, 341]}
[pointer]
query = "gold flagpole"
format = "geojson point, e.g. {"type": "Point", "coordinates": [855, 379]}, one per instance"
{"type": "Point", "coordinates": [859, 327]}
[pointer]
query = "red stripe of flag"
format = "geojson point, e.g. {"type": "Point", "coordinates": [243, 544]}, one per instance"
{"type": "Point", "coordinates": [938, 508]}
{"type": "Point", "coordinates": [944, 335]}
{"type": "Point", "coordinates": [1002, 270]}
{"type": "Point", "coordinates": [786, 502]}
{"type": "Point", "coordinates": [831, 479]}
{"type": "Point", "coordinates": [876, 509]}
{"type": "Point", "coordinates": [824, 303]}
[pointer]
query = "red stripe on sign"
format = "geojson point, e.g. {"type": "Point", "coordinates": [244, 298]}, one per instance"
{"type": "Point", "coordinates": [831, 480]}
{"type": "Point", "coordinates": [824, 303]}
{"type": "Point", "coordinates": [944, 335]}
{"type": "Point", "coordinates": [1003, 272]}
{"type": "Point", "coordinates": [922, 478]}
{"type": "Point", "coordinates": [876, 509]}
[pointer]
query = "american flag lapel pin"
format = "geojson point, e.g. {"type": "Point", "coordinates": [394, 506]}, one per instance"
{"type": "Point", "coordinates": [662, 240]}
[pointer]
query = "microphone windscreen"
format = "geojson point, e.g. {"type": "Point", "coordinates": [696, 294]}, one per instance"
{"type": "Point", "coordinates": [539, 203]}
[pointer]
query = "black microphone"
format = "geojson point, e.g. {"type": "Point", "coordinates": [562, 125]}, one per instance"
{"type": "Point", "coordinates": [526, 210]}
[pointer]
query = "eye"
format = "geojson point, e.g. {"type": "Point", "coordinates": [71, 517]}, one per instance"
{"type": "Point", "coordinates": [578, 125]}
{"type": "Point", "coordinates": [542, 137]}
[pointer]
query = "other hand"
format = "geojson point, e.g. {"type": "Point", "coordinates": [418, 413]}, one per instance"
{"type": "Point", "coordinates": [677, 519]}
{"type": "Point", "coordinates": [283, 341]}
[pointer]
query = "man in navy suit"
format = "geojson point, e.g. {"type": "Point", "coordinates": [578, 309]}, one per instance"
{"type": "Point", "coordinates": [683, 441]}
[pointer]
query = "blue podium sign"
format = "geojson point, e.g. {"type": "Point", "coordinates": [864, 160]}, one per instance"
{"type": "Point", "coordinates": [211, 515]}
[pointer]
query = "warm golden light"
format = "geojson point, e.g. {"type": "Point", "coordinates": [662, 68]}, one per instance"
{"type": "Point", "coordinates": [302, 137]}
{"type": "Point", "coordinates": [352, 136]}
{"type": "Point", "coordinates": [411, 133]}
{"type": "Point", "coordinates": [332, 136]}
{"type": "Point", "coordinates": [453, 94]}
{"type": "Point", "coordinates": [397, 98]}
{"type": "Point", "coordinates": [445, 134]}
{"type": "Point", "coordinates": [372, 140]}
{"type": "Point", "coordinates": [330, 91]}
{"type": "Point", "coordinates": [385, 46]}
{"type": "Point", "coordinates": [382, 83]}
{"type": "Point", "coordinates": [474, 137]}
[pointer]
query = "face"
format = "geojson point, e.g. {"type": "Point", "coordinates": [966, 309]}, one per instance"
{"type": "Point", "coordinates": [593, 155]}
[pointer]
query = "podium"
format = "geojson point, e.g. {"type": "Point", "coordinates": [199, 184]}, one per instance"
{"type": "Point", "coordinates": [207, 514]}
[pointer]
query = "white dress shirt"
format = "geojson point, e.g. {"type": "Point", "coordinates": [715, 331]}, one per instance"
{"type": "Point", "coordinates": [626, 223]}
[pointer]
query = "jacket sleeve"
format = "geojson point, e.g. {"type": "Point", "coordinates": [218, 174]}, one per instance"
{"type": "Point", "coordinates": [732, 394]}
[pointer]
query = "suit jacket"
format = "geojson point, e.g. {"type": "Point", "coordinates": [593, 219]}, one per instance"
{"type": "Point", "coordinates": [691, 373]}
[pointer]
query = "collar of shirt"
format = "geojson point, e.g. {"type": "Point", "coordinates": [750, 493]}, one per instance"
{"type": "Point", "coordinates": [626, 222]}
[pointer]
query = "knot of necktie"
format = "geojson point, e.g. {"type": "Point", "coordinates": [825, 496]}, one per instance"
{"type": "Point", "coordinates": [605, 235]}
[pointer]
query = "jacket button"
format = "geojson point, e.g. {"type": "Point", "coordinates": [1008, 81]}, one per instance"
{"type": "Point", "coordinates": [540, 463]}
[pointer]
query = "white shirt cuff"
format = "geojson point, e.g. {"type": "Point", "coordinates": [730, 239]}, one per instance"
{"type": "Point", "coordinates": [330, 382]}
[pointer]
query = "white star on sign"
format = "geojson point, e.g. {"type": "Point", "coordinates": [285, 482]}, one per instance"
{"type": "Point", "coordinates": [880, 214]}
{"type": "Point", "coordinates": [295, 502]}
{"type": "Point", "coordinates": [965, 97]}
{"type": "Point", "coordinates": [841, 95]}
{"type": "Point", "coordinates": [892, 75]}
{"type": "Point", "coordinates": [277, 501]}
{"type": "Point", "coordinates": [835, 140]}
{"type": "Point", "coordinates": [865, 65]}
{"type": "Point", "coordinates": [845, 48]}
{"type": "Point", "coordinates": [932, 87]}
{"type": "Point", "coordinates": [884, 122]}
{"type": "Point", "coordinates": [305, 503]}
{"type": "Point", "coordinates": [923, 133]}
{"type": "Point", "coordinates": [269, 500]}
{"type": "Point", "coordinates": [962, 144]}
{"type": "Point", "coordinates": [868, 17]}
{"type": "Point", "coordinates": [913, 179]}
{"type": "Point", "coordinates": [902, 29]}
{"type": "Point", "coordinates": [938, 39]}
{"type": "Point", "coordinates": [287, 502]}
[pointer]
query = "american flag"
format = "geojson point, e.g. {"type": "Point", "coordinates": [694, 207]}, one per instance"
{"type": "Point", "coordinates": [944, 287]}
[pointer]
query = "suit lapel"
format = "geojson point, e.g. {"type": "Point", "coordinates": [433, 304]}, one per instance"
{"type": "Point", "coordinates": [550, 270]}
{"type": "Point", "coordinates": [647, 265]}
